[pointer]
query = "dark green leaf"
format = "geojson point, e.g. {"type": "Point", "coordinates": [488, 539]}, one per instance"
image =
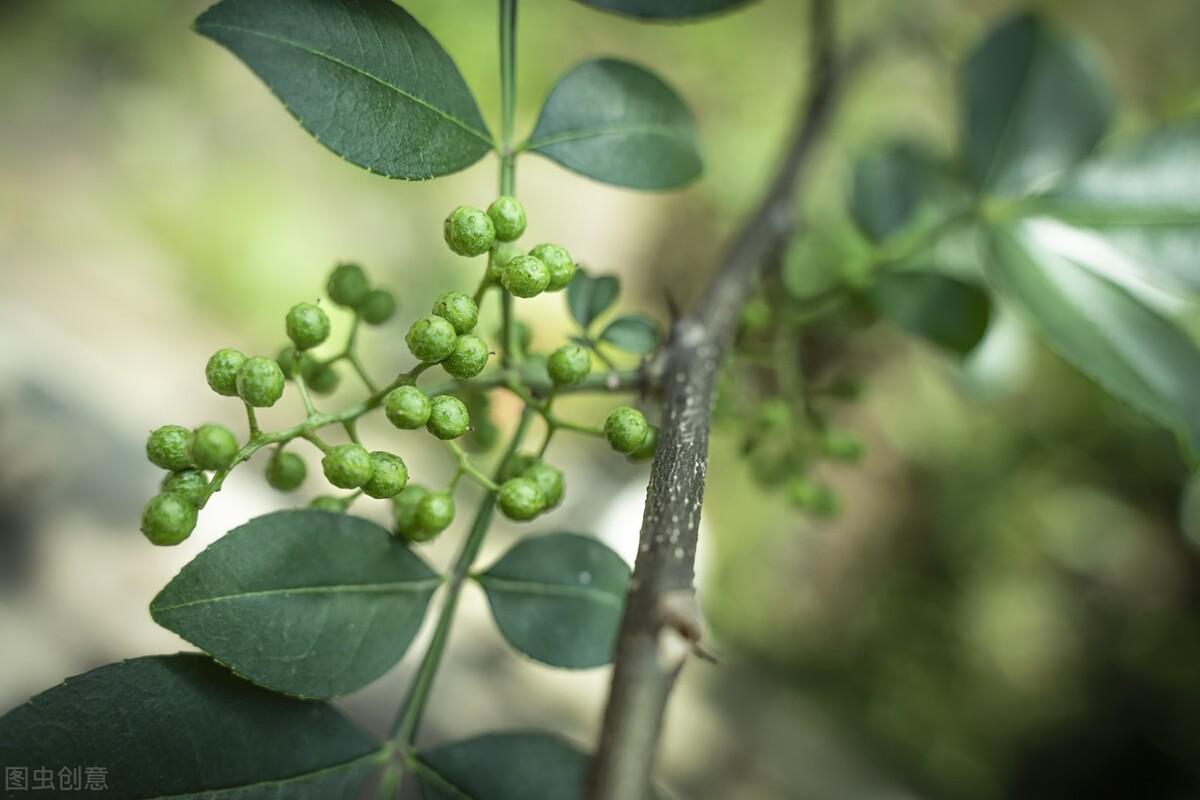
{"type": "Point", "coordinates": [1138, 206]}
{"type": "Point", "coordinates": [664, 9]}
{"type": "Point", "coordinates": [948, 312]}
{"type": "Point", "coordinates": [620, 124]}
{"type": "Point", "coordinates": [1121, 340]}
{"type": "Point", "coordinates": [1034, 105]}
{"type": "Point", "coordinates": [558, 599]}
{"type": "Point", "coordinates": [312, 603]}
{"type": "Point", "coordinates": [503, 766]}
{"type": "Point", "coordinates": [895, 185]}
{"type": "Point", "coordinates": [182, 726]}
{"type": "Point", "coordinates": [362, 76]}
{"type": "Point", "coordinates": [588, 297]}
{"type": "Point", "coordinates": [633, 334]}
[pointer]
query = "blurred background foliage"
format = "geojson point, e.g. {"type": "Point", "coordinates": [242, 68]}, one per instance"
{"type": "Point", "coordinates": [1008, 604]}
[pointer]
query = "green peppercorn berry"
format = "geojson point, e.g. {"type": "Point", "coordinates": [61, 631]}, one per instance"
{"type": "Point", "coordinates": [469, 358]}
{"type": "Point", "coordinates": [459, 310]}
{"type": "Point", "coordinates": [841, 445]}
{"type": "Point", "coordinates": [508, 218]}
{"type": "Point", "coordinates": [431, 339]}
{"type": "Point", "coordinates": [286, 471]}
{"type": "Point", "coordinates": [307, 325]}
{"type": "Point", "coordinates": [626, 429]}
{"type": "Point", "coordinates": [168, 519]}
{"type": "Point", "coordinates": [558, 263]}
{"type": "Point", "coordinates": [168, 447]}
{"type": "Point", "coordinates": [469, 231]}
{"type": "Point", "coordinates": [213, 447]}
{"type": "Point", "coordinates": [348, 285]}
{"type": "Point", "coordinates": [327, 502]}
{"type": "Point", "coordinates": [388, 476]}
{"type": "Point", "coordinates": [516, 466]}
{"type": "Point", "coordinates": [322, 378]}
{"type": "Point", "coordinates": [260, 382]}
{"type": "Point", "coordinates": [435, 512]}
{"type": "Point", "coordinates": [812, 497]}
{"type": "Point", "coordinates": [502, 253]}
{"type": "Point", "coordinates": [190, 484]}
{"type": "Point", "coordinates": [407, 407]}
{"type": "Point", "coordinates": [347, 466]}
{"type": "Point", "coordinates": [448, 417]}
{"type": "Point", "coordinates": [404, 511]}
{"type": "Point", "coordinates": [569, 365]}
{"type": "Point", "coordinates": [222, 369]}
{"type": "Point", "coordinates": [549, 480]}
{"type": "Point", "coordinates": [288, 362]}
{"type": "Point", "coordinates": [525, 276]}
{"type": "Point", "coordinates": [645, 451]}
{"type": "Point", "coordinates": [377, 307]}
{"type": "Point", "coordinates": [520, 499]}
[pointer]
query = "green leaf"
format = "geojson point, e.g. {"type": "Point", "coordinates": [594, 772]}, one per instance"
{"type": "Point", "coordinates": [664, 9]}
{"type": "Point", "coordinates": [558, 599]}
{"type": "Point", "coordinates": [588, 297]}
{"type": "Point", "coordinates": [949, 312]}
{"type": "Point", "coordinates": [633, 333]}
{"type": "Point", "coordinates": [312, 603]}
{"type": "Point", "coordinates": [893, 186]}
{"type": "Point", "coordinates": [182, 726]}
{"type": "Point", "coordinates": [362, 76]}
{"type": "Point", "coordinates": [1034, 105]}
{"type": "Point", "coordinates": [1115, 336]}
{"type": "Point", "coordinates": [503, 766]}
{"type": "Point", "coordinates": [620, 124]}
{"type": "Point", "coordinates": [1140, 203]}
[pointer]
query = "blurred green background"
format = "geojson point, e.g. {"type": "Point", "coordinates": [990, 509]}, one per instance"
{"type": "Point", "coordinates": [1008, 604]}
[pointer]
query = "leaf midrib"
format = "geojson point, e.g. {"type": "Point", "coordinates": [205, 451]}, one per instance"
{"type": "Point", "coordinates": [399, 587]}
{"type": "Point", "coordinates": [553, 590]}
{"type": "Point", "coordinates": [663, 131]}
{"type": "Point", "coordinates": [483, 137]}
{"type": "Point", "coordinates": [374, 755]}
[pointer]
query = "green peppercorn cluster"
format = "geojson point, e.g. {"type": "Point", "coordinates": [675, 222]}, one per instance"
{"type": "Point", "coordinates": [198, 460]}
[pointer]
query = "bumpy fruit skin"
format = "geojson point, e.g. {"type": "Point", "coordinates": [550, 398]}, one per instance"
{"type": "Point", "coordinates": [260, 382]}
{"type": "Point", "coordinates": [347, 466]}
{"type": "Point", "coordinates": [558, 263]}
{"type": "Point", "coordinates": [222, 369]}
{"type": "Point", "coordinates": [448, 417]}
{"type": "Point", "coordinates": [520, 499]}
{"type": "Point", "coordinates": [646, 449]}
{"type": "Point", "coordinates": [404, 511]}
{"type": "Point", "coordinates": [508, 218]}
{"type": "Point", "coordinates": [327, 502]}
{"type": "Point", "coordinates": [469, 231]}
{"type": "Point", "coordinates": [459, 310]}
{"type": "Point", "coordinates": [525, 276]}
{"type": "Point", "coordinates": [431, 339]}
{"type": "Point", "coordinates": [503, 253]}
{"type": "Point", "coordinates": [569, 365]}
{"type": "Point", "coordinates": [407, 407]}
{"type": "Point", "coordinates": [626, 429]}
{"type": "Point", "coordinates": [389, 476]}
{"type": "Point", "coordinates": [323, 379]}
{"type": "Point", "coordinates": [169, 447]}
{"type": "Point", "coordinates": [213, 447]}
{"type": "Point", "coordinates": [469, 358]}
{"type": "Point", "coordinates": [549, 480]}
{"type": "Point", "coordinates": [286, 471]}
{"type": "Point", "coordinates": [190, 484]}
{"type": "Point", "coordinates": [168, 519]}
{"type": "Point", "coordinates": [348, 285]}
{"type": "Point", "coordinates": [435, 512]}
{"type": "Point", "coordinates": [377, 307]}
{"type": "Point", "coordinates": [307, 325]}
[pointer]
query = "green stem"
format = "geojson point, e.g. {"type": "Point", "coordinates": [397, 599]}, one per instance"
{"type": "Point", "coordinates": [508, 166]}
{"type": "Point", "coordinates": [465, 467]}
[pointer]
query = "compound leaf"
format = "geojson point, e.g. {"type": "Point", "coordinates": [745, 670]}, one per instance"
{"type": "Point", "coordinates": [503, 766]}
{"type": "Point", "coordinates": [182, 726]}
{"type": "Point", "coordinates": [632, 333]}
{"type": "Point", "coordinates": [312, 603]}
{"type": "Point", "coordinates": [588, 297]}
